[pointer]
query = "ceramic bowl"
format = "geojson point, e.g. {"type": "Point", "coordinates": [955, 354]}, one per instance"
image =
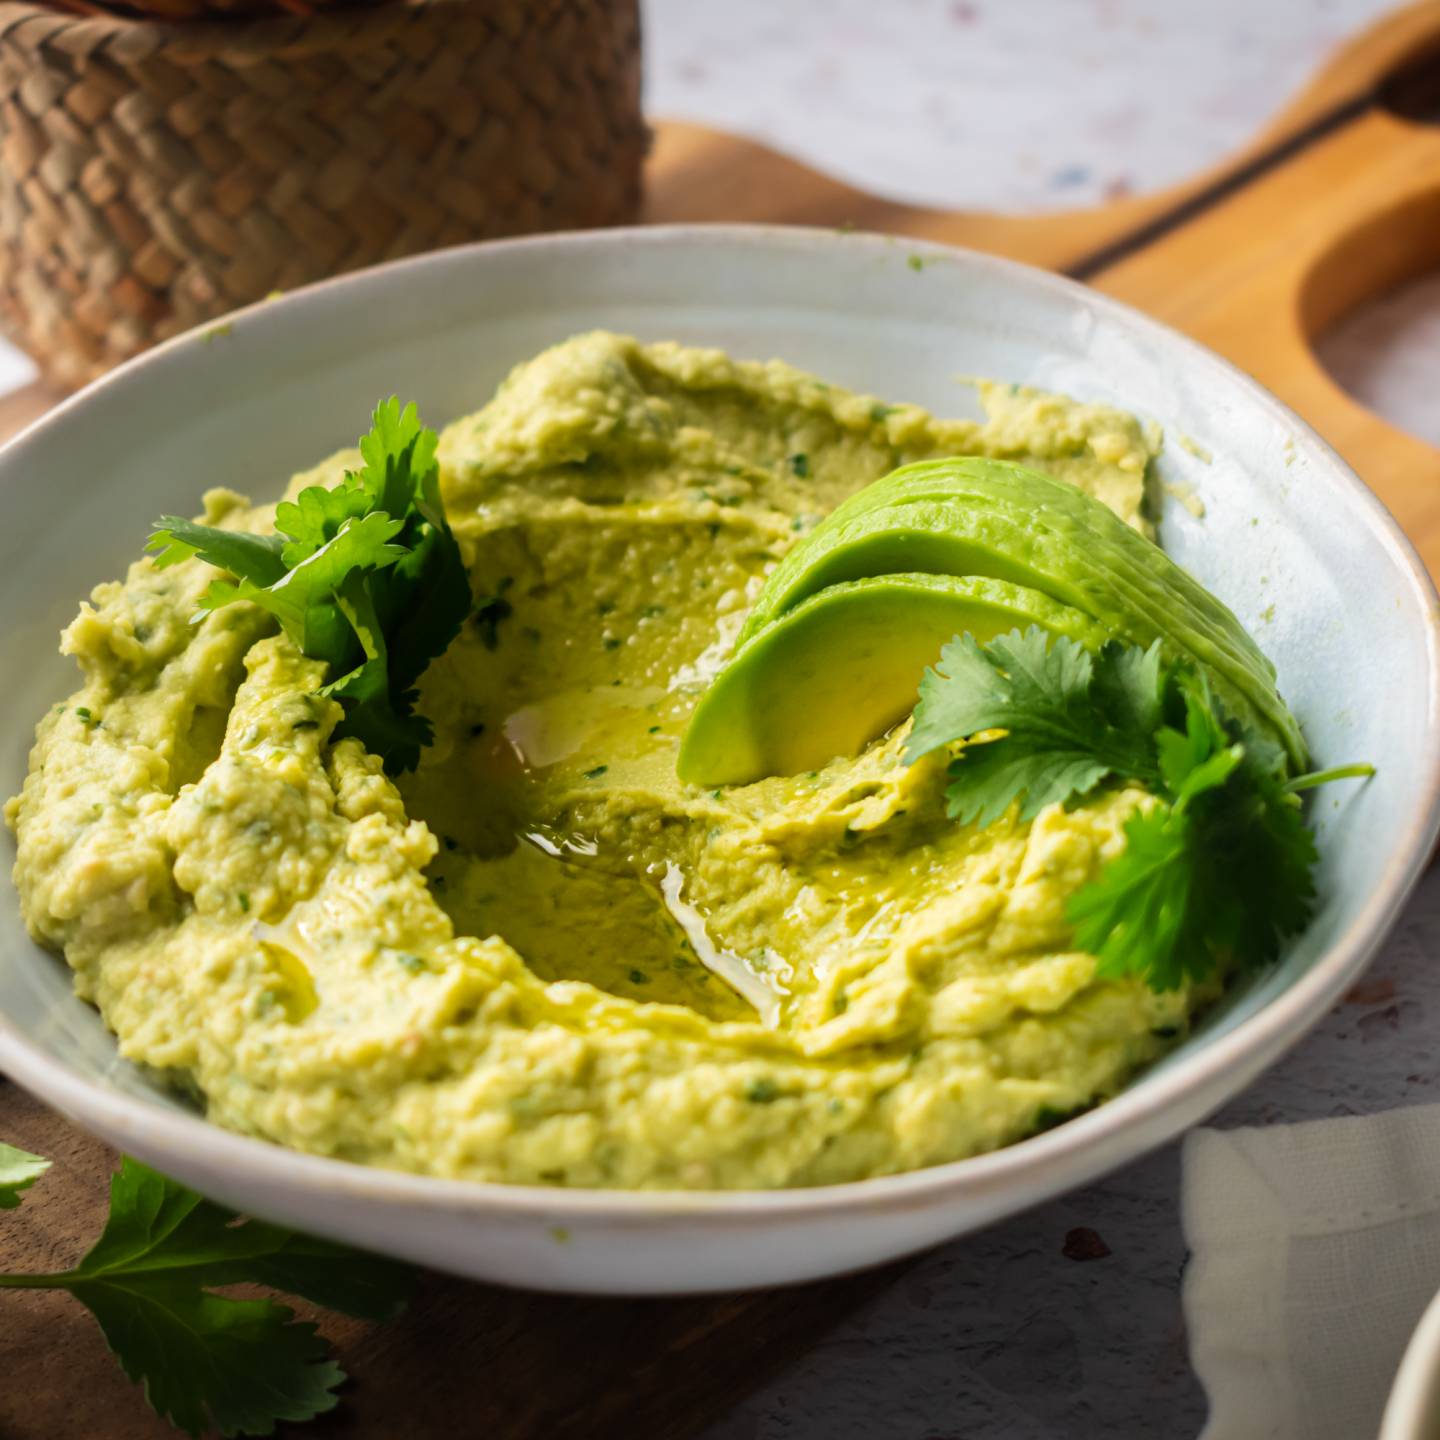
{"type": "Point", "coordinates": [1413, 1409]}
{"type": "Point", "coordinates": [1289, 538]}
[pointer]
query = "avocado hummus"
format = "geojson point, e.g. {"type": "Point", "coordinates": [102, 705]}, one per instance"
{"type": "Point", "coordinates": [541, 958]}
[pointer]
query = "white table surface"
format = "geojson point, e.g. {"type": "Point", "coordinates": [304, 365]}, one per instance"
{"type": "Point", "coordinates": [1001, 1335]}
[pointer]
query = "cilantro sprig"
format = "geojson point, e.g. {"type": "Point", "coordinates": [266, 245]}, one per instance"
{"type": "Point", "coordinates": [1069, 723]}
{"type": "Point", "coordinates": [1220, 869]}
{"type": "Point", "coordinates": [209, 1361]}
{"type": "Point", "coordinates": [366, 577]}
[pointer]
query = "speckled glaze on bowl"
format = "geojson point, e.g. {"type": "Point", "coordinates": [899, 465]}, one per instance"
{"type": "Point", "coordinates": [1289, 538]}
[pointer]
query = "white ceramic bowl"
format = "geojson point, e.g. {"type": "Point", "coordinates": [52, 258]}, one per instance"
{"type": "Point", "coordinates": [1290, 538]}
{"type": "Point", "coordinates": [1413, 1409]}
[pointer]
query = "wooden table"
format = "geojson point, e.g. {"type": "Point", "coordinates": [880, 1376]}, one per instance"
{"type": "Point", "coordinates": [1337, 200]}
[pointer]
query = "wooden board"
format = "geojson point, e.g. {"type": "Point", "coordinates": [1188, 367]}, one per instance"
{"type": "Point", "coordinates": [1336, 201]}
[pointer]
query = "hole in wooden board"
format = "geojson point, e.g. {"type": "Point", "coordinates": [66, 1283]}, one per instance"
{"type": "Point", "coordinates": [1413, 91]}
{"type": "Point", "coordinates": [1370, 308]}
{"type": "Point", "coordinates": [1371, 304]}
{"type": "Point", "coordinates": [1386, 353]}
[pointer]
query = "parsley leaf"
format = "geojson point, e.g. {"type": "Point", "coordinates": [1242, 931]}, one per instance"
{"type": "Point", "coordinates": [18, 1171]}
{"type": "Point", "coordinates": [206, 1360]}
{"type": "Point", "coordinates": [1219, 869]}
{"type": "Point", "coordinates": [1070, 720]}
{"type": "Point", "coordinates": [366, 576]}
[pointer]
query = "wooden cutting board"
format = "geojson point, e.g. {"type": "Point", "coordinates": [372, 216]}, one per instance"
{"type": "Point", "coordinates": [1338, 200]}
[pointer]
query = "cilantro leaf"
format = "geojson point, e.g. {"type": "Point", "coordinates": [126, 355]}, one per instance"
{"type": "Point", "coordinates": [1191, 760]}
{"type": "Point", "coordinates": [211, 1362]}
{"type": "Point", "coordinates": [18, 1171]}
{"type": "Point", "coordinates": [1130, 684]}
{"type": "Point", "coordinates": [316, 515]}
{"type": "Point", "coordinates": [255, 558]}
{"type": "Point", "coordinates": [365, 576]}
{"type": "Point", "coordinates": [1133, 917]}
{"type": "Point", "coordinates": [304, 599]}
{"type": "Point", "coordinates": [374, 712]}
{"type": "Point", "coordinates": [1222, 870]}
{"type": "Point", "coordinates": [988, 777]}
{"type": "Point", "coordinates": [399, 456]}
{"type": "Point", "coordinates": [157, 1226]}
{"type": "Point", "coordinates": [1070, 720]}
{"type": "Point", "coordinates": [207, 1360]}
{"type": "Point", "coordinates": [1260, 872]}
{"type": "Point", "coordinates": [423, 600]}
{"type": "Point", "coordinates": [1218, 870]}
{"type": "Point", "coordinates": [1223, 873]}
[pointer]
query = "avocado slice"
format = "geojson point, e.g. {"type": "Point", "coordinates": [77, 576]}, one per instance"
{"type": "Point", "coordinates": [993, 518]}
{"type": "Point", "coordinates": [957, 477]}
{"type": "Point", "coordinates": [844, 665]}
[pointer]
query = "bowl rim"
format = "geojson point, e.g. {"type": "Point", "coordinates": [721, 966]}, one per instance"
{"type": "Point", "coordinates": [1415, 1393]}
{"type": "Point", "coordinates": [1251, 1046]}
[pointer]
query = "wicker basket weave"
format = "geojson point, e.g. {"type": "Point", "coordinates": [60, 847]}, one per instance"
{"type": "Point", "coordinates": [198, 9]}
{"type": "Point", "coordinates": [154, 176]}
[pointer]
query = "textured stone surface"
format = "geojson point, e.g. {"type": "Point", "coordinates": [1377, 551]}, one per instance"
{"type": "Point", "coordinates": [992, 104]}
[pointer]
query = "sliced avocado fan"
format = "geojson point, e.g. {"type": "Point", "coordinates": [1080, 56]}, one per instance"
{"type": "Point", "coordinates": [977, 517]}
{"type": "Point", "coordinates": [841, 667]}
{"type": "Point", "coordinates": [832, 653]}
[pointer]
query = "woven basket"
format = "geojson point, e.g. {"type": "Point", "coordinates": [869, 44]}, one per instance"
{"type": "Point", "coordinates": [153, 176]}
{"type": "Point", "coordinates": [197, 9]}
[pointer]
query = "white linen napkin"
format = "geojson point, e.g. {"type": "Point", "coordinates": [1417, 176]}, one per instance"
{"type": "Point", "coordinates": [1315, 1248]}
